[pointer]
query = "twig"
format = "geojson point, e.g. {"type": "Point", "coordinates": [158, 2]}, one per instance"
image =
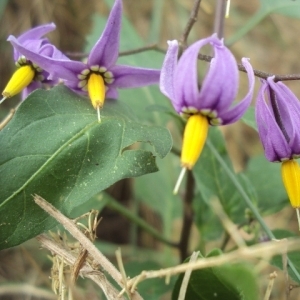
{"type": "Point", "coordinates": [139, 50]}
{"type": "Point", "coordinates": [122, 270]}
{"type": "Point", "coordinates": [187, 216]}
{"type": "Point", "coordinates": [208, 58]}
{"type": "Point", "coordinates": [257, 73]}
{"type": "Point", "coordinates": [84, 241]}
{"type": "Point", "coordinates": [186, 277]}
{"type": "Point", "coordinates": [191, 21]}
{"type": "Point", "coordinates": [254, 252]}
{"type": "Point", "coordinates": [86, 270]}
{"type": "Point", "coordinates": [152, 46]}
{"type": "Point", "coordinates": [7, 118]}
{"type": "Point", "coordinates": [272, 278]}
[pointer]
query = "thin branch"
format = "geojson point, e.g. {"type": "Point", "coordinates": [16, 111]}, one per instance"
{"type": "Point", "coordinates": [257, 73]}
{"type": "Point", "coordinates": [139, 50]}
{"type": "Point", "coordinates": [186, 277]}
{"type": "Point", "coordinates": [84, 241]}
{"type": "Point", "coordinates": [86, 270]}
{"type": "Point", "coordinates": [154, 46]}
{"type": "Point", "coordinates": [7, 118]}
{"type": "Point", "coordinates": [191, 21]}
{"type": "Point", "coordinates": [272, 278]}
{"type": "Point", "coordinates": [262, 251]}
{"type": "Point", "coordinates": [187, 216]}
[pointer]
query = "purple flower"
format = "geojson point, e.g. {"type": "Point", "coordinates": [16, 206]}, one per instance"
{"type": "Point", "coordinates": [100, 76]}
{"type": "Point", "coordinates": [277, 117]}
{"type": "Point", "coordinates": [29, 75]}
{"type": "Point", "coordinates": [206, 102]}
{"type": "Point", "coordinates": [211, 97]}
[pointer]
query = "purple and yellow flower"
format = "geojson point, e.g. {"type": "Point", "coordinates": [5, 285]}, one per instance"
{"type": "Point", "coordinates": [277, 117]}
{"type": "Point", "coordinates": [29, 75]}
{"type": "Point", "coordinates": [99, 77]}
{"type": "Point", "coordinates": [206, 102]}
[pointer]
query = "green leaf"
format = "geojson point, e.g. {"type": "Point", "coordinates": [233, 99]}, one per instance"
{"type": "Point", "coordinates": [265, 178]}
{"type": "Point", "coordinates": [55, 147]}
{"type": "Point", "coordinates": [293, 256]}
{"type": "Point", "coordinates": [234, 282]}
{"type": "Point", "coordinates": [212, 180]}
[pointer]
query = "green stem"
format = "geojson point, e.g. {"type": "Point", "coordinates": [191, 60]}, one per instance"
{"type": "Point", "coordinates": [113, 204]}
{"type": "Point", "coordinates": [248, 201]}
{"type": "Point", "coordinates": [258, 17]}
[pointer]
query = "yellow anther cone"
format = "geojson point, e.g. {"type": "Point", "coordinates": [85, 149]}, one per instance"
{"type": "Point", "coordinates": [290, 172]}
{"type": "Point", "coordinates": [19, 80]}
{"type": "Point", "coordinates": [96, 90]}
{"type": "Point", "coordinates": [194, 137]}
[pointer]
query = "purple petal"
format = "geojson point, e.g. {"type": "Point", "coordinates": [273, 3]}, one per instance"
{"type": "Point", "coordinates": [65, 69]}
{"type": "Point", "coordinates": [106, 50]}
{"type": "Point", "coordinates": [237, 111]}
{"type": "Point", "coordinates": [220, 85]}
{"type": "Point", "coordinates": [131, 77]}
{"type": "Point", "coordinates": [272, 138]}
{"type": "Point", "coordinates": [166, 83]}
{"type": "Point", "coordinates": [186, 78]}
{"type": "Point", "coordinates": [36, 33]}
{"type": "Point", "coordinates": [289, 108]}
{"type": "Point", "coordinates": [30, 88]}
{"type": "Point", "coordinates": [112, 93]}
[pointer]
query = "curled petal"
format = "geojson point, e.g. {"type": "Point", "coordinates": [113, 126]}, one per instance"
{"type": "Point", "coordinates": [186, 78]}
{"type": "Point", "coordinates": [30, 88]}
{"type": "Point", "coordinates": [237, 111]}
{"type": "Point", "coordinates": [106, 50]}
{"type": "Point", "coordinates": [34, 36]}
{"type": "Point", "coordinates": [66, 69]}
{"type": "Point", "coordinates": [275, 145]}
{"type": "Point", "coordinates": [130, 77]}
{"type": "Point", "coordinates": [112, 93]}
{"type": "Point", "coordinates": [36, 33]}
{"type": "Point", "coordinates": [220, 85]}
{"type": "Point", "coordinates": [166, 83]}
{"type": "Point", "coordinates": [289, 107]}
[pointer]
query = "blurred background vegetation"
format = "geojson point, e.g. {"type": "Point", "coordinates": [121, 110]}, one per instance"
{"type": "Point", "coordinates": [273, 46]}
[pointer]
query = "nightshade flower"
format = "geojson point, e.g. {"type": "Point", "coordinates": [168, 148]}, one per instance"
{"type": "Point", "coordinates": [278, 121]}
{"type": "Point", "coordinates": [29, 75]}
{"type": "Point", "coordinates": [203, 103]}
{"type": "Point", "coordinates": [100, 76]}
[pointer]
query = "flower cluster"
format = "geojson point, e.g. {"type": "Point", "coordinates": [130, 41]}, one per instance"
{"type": "Point", "coordinates": [99, 77]}
{"type": "Point", "coordinates": [203, 102]}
